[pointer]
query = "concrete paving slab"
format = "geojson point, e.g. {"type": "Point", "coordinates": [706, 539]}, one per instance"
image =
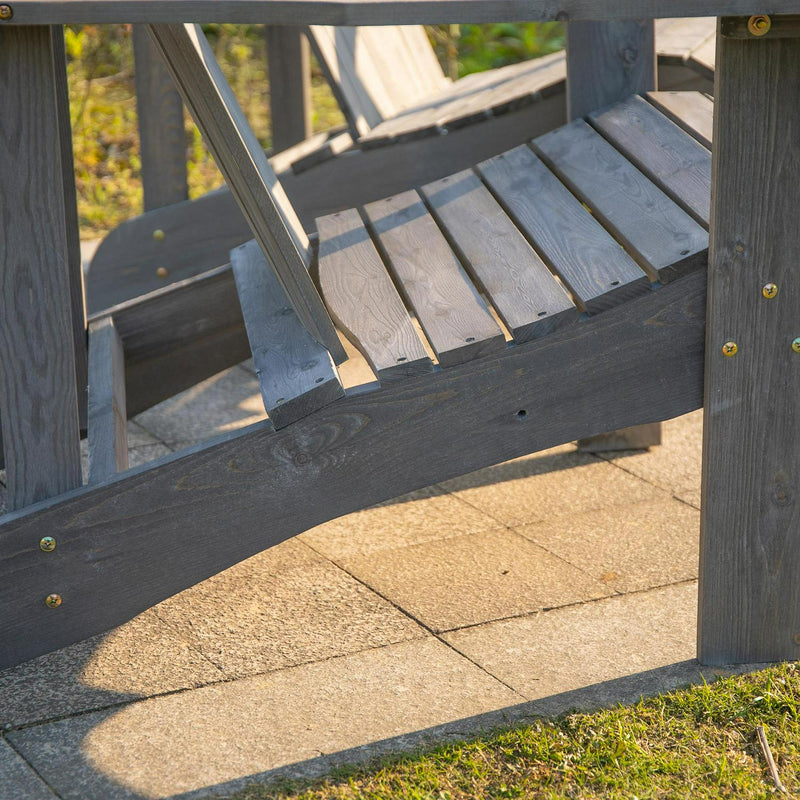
{"type": "Point", "coordinates": [422, 516]}
{"type": "Point", "coordinates": [551, 484]}
{"type": "Point", "coordinates": [466, 580]}
{"type": "Point", "coordinates": [139, 659]}
{"type": "Point", "coordinates": [572, 648]}
{"type": "Point", "coordinates": [138, 436]}
{"type": "Point", "coordinates": [627, 548]}
{"type": "Point", "coordinates": [17, 780]}
{"type": "Point", "coordinates": [283, 607]}
{"type": "Point", "coordinates": [182, 743]}
{"type": "Point", "coordinates": [676, 465]}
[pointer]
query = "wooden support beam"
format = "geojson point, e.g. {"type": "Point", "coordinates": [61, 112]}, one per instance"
{"type": "Point", "coordinates": [108, 422]}
{"type": "Point", "coordinates": [38, 397]}
{"type": "Point", "coordinates": [162, 138]}
{"type": "Point", "coordinates": [750, 534]}
{"type": "Point", "coordinates": [136, 539]}
{"type": "Point", "coordinates": [289, 72]}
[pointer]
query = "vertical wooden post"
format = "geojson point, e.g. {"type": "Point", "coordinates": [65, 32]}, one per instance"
{"type": "Point", "coordinates": [607, 62]}
{"type": "Point", "coordinates": [38, 398]}
{"type": "Point", "coordinates": [161, 132]}
{"type": "Point", "coordinates": [750, 535]}
{"type": "Point", "coordinates": [289, 70]}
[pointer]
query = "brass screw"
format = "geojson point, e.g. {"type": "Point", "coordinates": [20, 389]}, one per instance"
{"type": "Point", "coordinates": [47, 543]}
{"type": "Point", "coordinates": [796, 344]}
{"type": "Point", "coordinates": [759, 25]}
{"type": "Point", "coordinates": [730, 349]}
{"type": "Point", "coordinates": [6, 12]}
{"type": "Point", "coordinates": [159, 235]}
{"type": "Point", "coordinates": [53, 600]}
{"type": "Point", "coordinates": [769, 290]}
{"type": "Point", "coordinates": [162, 272]}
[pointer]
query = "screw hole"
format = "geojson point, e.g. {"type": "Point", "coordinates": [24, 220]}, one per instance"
{"type": "Point", "coordinates": [542, 314]}
{"type": "Point", "coordinates": [685, 252]}
{"type": "Point", "coordinates": [470, 339]}
{"type": "Point", "coordinates": [522, 413]}
{"type": "Point", "coordinates": [615, 283]}
{"type": "Point", "coordinates": [402, 358]}
{"type": "Point", "coordinates": [281, 400]}
{"type": "Point", "coordinates": [319, 380]}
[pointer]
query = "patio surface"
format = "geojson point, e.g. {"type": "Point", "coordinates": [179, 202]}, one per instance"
{"type": "Point", "coordinates": [556, 581]}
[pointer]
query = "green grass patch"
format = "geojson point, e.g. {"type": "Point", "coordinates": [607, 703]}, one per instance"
{"type": "Point", "coordinates": [697, 743]}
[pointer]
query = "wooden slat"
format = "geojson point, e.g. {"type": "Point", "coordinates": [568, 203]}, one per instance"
{"type": "Point", "coordinates": [676, 162]}
{"type": "Point", "coordinates": [289, 73]}
{"type": "Point", "coordinates": [692, 111]}
{"type": "Point", "coordinates": [453, 315]}
{"type": "Point", "coordinates": [363, 300]}
{"type": "Point", "coordinates": [597, 270]}
{"type": "Point", "coordinates": [295, 372]}
{"type": "Point", "coordinates": [162, 136]}
{"type": "Point", "coordinates": [677, 38]}
{"type": "Point", "coordinates": [664, 239]}
{"type": "Point", "coordinates": [750, 551]}
{"type": "Point", "coordinates": [703, 58]}
{"type": "Point", "coordinates": [108, 421]}
{"type": "Point", "coordinates": [361, 450]}
{"type": "Point", "coordinates": [607, 61]}
{"type": "Point", "coordinates": [523, 291]}
{"type": "Point", "coordinates": [38, 399]}
{"type": "Point", "coordinates": [247, 171]}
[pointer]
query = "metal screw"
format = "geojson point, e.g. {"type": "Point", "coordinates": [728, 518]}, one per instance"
{"type": "Point", "coordinates": [53, 600]}
{"type": "Point", "coordinates": [797, 638]}
{"type": "Point", "coordinates": [159, 235]}
{"type": "Point", "coordinates": [730, 349]}
{"type": "Point", "coordinates": [47, 543]}
{"type": "Point", "coordinates": [796, 344]}
{"type": "Point", "coordinates": [162, 272]}
{"type": "Point", "coordinates": [769, 290]}
{"type": "Point", "coordinates": [759, 25]}
{"type": "Point", "coordinates": [6, 12]}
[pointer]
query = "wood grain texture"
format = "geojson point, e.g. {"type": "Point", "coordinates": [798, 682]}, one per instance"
{"type": "Point", "coordinates": [375, 12]}
{"type": "Point", "coordinates": [665, 241]}
{"type": "Point", "coordinates": [692, 111]}
{"type": "Point", "coordinates": [38, 399]}
{"type": "Point", "coordinates": [363, 300]}
{"type": "Point", "coordinates": [597, 270]}
{"type": "Point", "coordinates": [247, 171]}
{"type": "Point", "coordinates": [750, 552]}
{"type": "Point", "coordinates": [295, 372]}
{"type": "Point", "coordinates": [677, 38]}
{"type": "Point", "coordinates": [523, 291]}
{"type": "Point", "coordinates": [453, 315]}
{"type": "Point", "coordinates": [162, 137]}
{"type": "Point", "coordinates": [608, 61]}
{"type": "Point", "coordinates": [289, 72]}
{"type": "Point", "coordinates": [108, 420]}
{"type": "Point", "coordinates": [786, 26]}
{"type": "Point", "coordinates": [637, 364]}
{"type": "Point", "coordinates": [672, 159]}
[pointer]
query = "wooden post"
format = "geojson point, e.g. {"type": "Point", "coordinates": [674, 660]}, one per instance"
{"type": "Point", "coordinates": [289, 70]}
{"type": "Point", "coordinates": [161, 132]}
{"type": "Point", "coordinates": [750, 535]}
{"type": "Point", "coordinates": [38, 398]}
{"type": "Point", "coordinates": [607, 62]}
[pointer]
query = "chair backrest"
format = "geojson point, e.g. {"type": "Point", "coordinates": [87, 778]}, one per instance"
{"type": "Point", "coordinates": [377, 72]}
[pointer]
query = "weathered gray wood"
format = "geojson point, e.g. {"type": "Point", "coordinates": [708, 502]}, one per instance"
{"type": "Point", "coordinates": [162, 138]}
{"type": "Point", "coordinates": [523, 291]}
{"type": "Point", "coordinates": [664, 239]}
{"type": "Point", "coordinates": [289, 72]}
{"type": "Point", "coordinates": [108, 421]}
{"type": "Point", "coordinates": [640, 437]}
{"type": "Point", "coordinates": [750, 551]}
{"type": "Point", "coordinates": [597, 270]}
{"type": "Point", "coordinates": [606, 62]}
{"type": "Point", "coordinates": [363, 300]}
{"type": "Point", "coordinates": [677, 38]}
{"type": "Point", "coordinates": [295, 372]}
{"type": "Point", "coordinates": [676, 162]}
{"type": "Point", "coordinates": [703, 58]}
{"type": "Point", "coordinates": [453, 315]}
{"type": "Point", "coordinates": [363, 449]}
{"type": "Point", "coordinates": [74, 259]}
{"type": "Point", "coordinates": [692, 111]}
{"type": "Point", "coordinates": [247, 171]}
{"type": "Point", "coordinates": [38, 398]}
{"type": "Point", "coordinates": [786, 26]}
{"type": "Point", "coordinates": [374, 12]}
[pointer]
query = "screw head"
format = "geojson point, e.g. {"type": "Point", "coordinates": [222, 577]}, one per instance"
{"type": "Point", "coordinates": [53, 600]}
{"type": "Point", "coordinates": [730, 349]}
{"type": "Point", "coordinates": [162, 272]}
{"type": "Point", "coordinates": [159, 235]}
{"type": "Point", "coordinates": [759, 25]}
{"type": "Point", "coordinates": [796, 344]}
{"type": "Point", "coordinates": [6, 12]}
{"type": "Point", "coordinates": [47, 544]}
{"type": "Point", "coordinates": [769, 290]}
{"type": "Point", "coordinates": [796, 638]}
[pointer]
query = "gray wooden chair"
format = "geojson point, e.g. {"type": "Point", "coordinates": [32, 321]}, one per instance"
{"type": "Point", "coordinates": [509, 305]}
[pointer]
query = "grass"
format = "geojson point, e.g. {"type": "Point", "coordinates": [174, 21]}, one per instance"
{"type": "Point", "coordinates": [696, 743]}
